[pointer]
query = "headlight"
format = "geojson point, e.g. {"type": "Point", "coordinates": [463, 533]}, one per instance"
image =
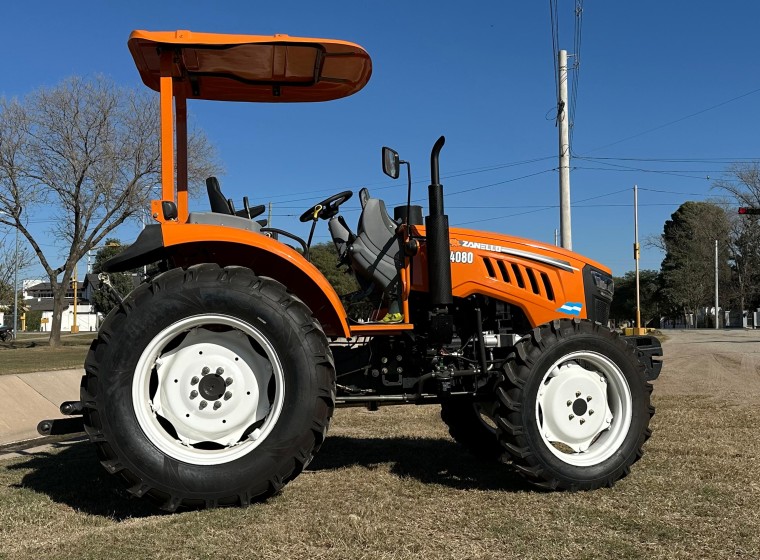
{"type": "Point", "coordinates": [604, 283]}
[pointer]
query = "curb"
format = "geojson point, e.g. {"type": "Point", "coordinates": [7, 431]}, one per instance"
{"type": "Point", "coordinates": [28, 398]}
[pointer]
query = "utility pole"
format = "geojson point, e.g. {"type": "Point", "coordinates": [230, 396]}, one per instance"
{"type": "Point", "coordinates": [717, 321]}
{"type": "Point", "coordinates": [636, 251]}
{"type": "Point", "coordinates": [563, 122]}
{"type": "Point", "coordinates": [15, 289]}
{"type": "Point", "coordinates": [74, 326]}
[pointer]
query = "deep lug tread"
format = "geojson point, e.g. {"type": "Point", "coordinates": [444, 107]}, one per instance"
{"type": "Point", "coordinates": [510, 397]}
{"type": "Point", "coordinates": [239, 276]}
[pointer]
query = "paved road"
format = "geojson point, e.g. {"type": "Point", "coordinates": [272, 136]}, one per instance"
{"type": "Point", "coordinates": [711, 362]}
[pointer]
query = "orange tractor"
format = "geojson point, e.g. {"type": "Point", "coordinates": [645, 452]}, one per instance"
{"type": "Point", "coordinates": [214, 382]}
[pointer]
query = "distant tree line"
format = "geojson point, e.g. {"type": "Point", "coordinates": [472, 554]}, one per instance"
{"type": "Point", "coordinates": [685, 282]}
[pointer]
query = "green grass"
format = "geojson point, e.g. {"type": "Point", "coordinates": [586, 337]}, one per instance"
{"type": "Point", "coordinates": [392, 485]}
{"type": "Point", "coordinates": [31, 352]}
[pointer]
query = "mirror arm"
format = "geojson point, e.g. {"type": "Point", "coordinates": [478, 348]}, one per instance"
{"type": "Point", "coordinates": [408, 193]}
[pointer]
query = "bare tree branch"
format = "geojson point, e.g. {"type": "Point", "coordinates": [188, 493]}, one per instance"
{"type": "Point", "coordinates": [87, 151]}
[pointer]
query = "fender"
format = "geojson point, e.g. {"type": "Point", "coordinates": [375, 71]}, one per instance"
{"type": "Point", "coordinates": [184, 245]}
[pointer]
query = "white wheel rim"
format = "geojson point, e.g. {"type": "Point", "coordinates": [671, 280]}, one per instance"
{"type": "Point", "coordinates": [584, 408]}
{"type": "Point", "coordinates": [208, 359]}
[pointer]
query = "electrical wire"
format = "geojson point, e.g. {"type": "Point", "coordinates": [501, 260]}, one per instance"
{"type": "Point", "coordinates": [670, 123]}
{"type": "Point", "coordinates": [577, 45]}
{"type": "Point", "coordinates": [554, 22]}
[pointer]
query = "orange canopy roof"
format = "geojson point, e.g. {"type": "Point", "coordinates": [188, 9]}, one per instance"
{"type": "Point", "coordinates": [273, 69]}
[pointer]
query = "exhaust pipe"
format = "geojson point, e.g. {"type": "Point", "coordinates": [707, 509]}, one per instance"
{"type": "Point", "coordinates": [437, 233]}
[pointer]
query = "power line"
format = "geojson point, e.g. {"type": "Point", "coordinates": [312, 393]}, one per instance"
{"type": "Point", "coordinates": [577, 45]}
{"type": "Point", "coordinates": [554, 22]}
{"type": "Point", "coordinates": [670, 123]}
{"type": "Point", "coordinates": [542, 209]}
{"type": "Point", "coordinates": [676, 160]}
{"type": "Point", "coordinates": [455, 174]}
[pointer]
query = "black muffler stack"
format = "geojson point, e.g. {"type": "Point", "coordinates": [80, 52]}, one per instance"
{"type": "Point", "coordinates": [438, 253]}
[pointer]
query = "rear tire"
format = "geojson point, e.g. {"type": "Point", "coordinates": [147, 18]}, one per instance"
{"type": "Point", "coordinates": [573, 406]}
{"type": "Point", "coordinates": [208, 387]}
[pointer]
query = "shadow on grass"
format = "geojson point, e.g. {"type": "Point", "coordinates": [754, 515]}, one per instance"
{"type": "Point", "coordinates": [74, 476]}
{"type": "Point", "coordinates": [431, 461]}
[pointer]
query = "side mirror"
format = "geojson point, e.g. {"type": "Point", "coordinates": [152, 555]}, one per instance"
{"type": "Point", "coordinates": [390, 163]}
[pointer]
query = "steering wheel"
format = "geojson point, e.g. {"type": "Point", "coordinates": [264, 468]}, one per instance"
{"type": "Point", "coordinates": [327, 208]}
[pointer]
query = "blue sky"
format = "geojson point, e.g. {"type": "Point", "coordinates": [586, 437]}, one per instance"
{"type": "Point", "coordinates": [482, 74]}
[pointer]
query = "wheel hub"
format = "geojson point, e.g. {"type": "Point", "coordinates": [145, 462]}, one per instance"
{"type": "Point", "coordinates": [212, 387]}
{"type": "Point", "coordinates": [574, 406]}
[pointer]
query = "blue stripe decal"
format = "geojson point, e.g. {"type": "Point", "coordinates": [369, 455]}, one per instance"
{"type": "Point", "coordinates": [571, 308]}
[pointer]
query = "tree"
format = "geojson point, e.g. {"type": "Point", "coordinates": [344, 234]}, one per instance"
{"type": "Point", "coordinates": [688, 269]}
{"type": "Point", "coordinates": [11, 265]}
{"type": "Point", "coordinates": [650, 297]}
{"type": "Point", "coordinates": [742, 182]}
{"type": "Point", "coordinates": [325, 257]}
{"type": "Point", "coordinates": [122, 282]}
{"type": "Point", "coordinates": [87, 151]}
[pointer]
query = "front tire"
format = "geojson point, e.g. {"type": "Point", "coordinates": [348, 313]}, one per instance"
{"type": "Point", "coordinates": [208, 387]}
{"type": "Point", "coordinates": [573, 406]}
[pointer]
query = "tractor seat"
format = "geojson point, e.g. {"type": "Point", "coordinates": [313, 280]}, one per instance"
{"type": "Point", "coordinates": [376, 252]}
{"type": "Point", "coordinates": [222, 212]}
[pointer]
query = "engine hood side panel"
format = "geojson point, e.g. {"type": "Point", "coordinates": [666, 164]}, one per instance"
{"type": "Point", "coordinates": [546, 282]}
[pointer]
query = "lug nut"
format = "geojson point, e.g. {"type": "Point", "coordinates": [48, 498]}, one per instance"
{"type": "Point", "coordinates": [590, 412]}
{"type": "Point", "coordinates": [384, 370]}
{"type": "Point", "coordinates": [193, 394]}
{"type": "Point", "coordinates": [203, 405]}
{"type": "Point", "coordinates": [588, 399]}
{"type": "Point", "coordinates": [384, 360]}
{"type": "Point", "coordinates": [399, 370]}
{"type": "Point", "coordinates": [571, 417]}
{"type": "Point", "coordinates": [583, 421]}
{"type": "Point", "coordinates": [569, 403]}
{"type": "Point", "coordinates": [219, 370]}
{"type": "Point", "coordinates": [228, 381]}
{"type": "Point", "coordinates": [217, 404]}
{"type": "Point", "coordinates": [205, 370]}
{"type": "Point", "coordinates": [577, 393]}
{"type": "Point", "coordinates": [399, 358]}
{"type": "Point", "coordinates": [194, 381]}
{"type": "Point", "coordinates": [227, 396]}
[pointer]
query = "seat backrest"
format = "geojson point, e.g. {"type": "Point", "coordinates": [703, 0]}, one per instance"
{"type": "Point", "coordinates": [218, 203]}
{"type": "Point", "coordinates": [376, 252]}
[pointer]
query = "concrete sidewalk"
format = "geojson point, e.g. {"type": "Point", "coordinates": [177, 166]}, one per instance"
{"type": "Point", "coordinates": [27, 398]}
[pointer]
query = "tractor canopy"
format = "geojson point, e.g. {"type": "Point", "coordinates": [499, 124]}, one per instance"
{"type": "Point", "coordinates": [255, 68]}
{"type": "Point", "coordinates": [184, 65]}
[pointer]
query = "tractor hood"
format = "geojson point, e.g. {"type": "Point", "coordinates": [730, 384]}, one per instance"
{"type": "Point", "coordinates": [254, 68]}
{"type": "Point", "coordinates": [528, 249]}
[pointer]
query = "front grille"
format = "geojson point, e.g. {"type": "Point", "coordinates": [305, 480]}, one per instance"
{"type": "Point", "coordinates": [601, 311]}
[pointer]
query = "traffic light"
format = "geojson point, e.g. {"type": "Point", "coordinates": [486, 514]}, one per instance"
{"type": "Point", "coordinates": [748, 210]}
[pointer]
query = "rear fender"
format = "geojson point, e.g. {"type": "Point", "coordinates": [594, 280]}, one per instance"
{"type": "Point", "coordinates": [184, 245]}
